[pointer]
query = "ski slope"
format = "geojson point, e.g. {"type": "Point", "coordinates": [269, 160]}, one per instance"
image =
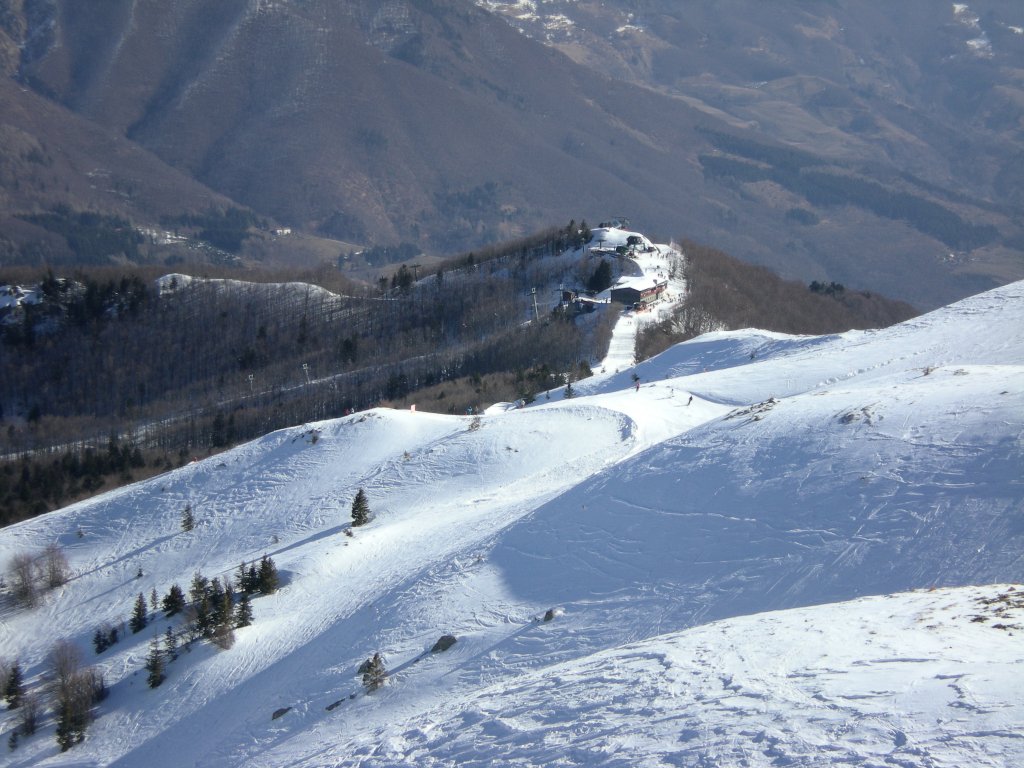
{"type": "Point", "coordinates": [653, 261]}
{"type": "Point", "coordinates": [764, 555]}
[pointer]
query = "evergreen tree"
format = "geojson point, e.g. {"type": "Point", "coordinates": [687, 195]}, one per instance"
{"type": "Point", "coordinates": [222, 604]}
{"type": "Point", "coordinates": [171, 644]}
{"type": "Point", "coordinates": [65, 727]}
{"type": "Point", "coordinates": [601, 279]}
{"type": "Point", "coordinates": [374, 673]}
{"type": "Point", "coordinates": [242, 579]}
{"type": "Point", "coordinates": [360, 509]}
{"type": "Point", "coordinates": [100, 640]}
{"type": "Point", "coordinates": [154, 601]}
{"type": "Point", "coordinates": [75, 698]}
{"type": "Point", "coordinates": [253, 579]}
{"type": "Point", "coordinates": [585, 235]}
{"type": "Point", "coordinates": [204, 617]}
{"type": "Point", "coordinates": [15, 689]}
{"type": "Point", "coordinates": [174, 600]}
{"type": "Point", "coordinates": [216, 597]}
{"type": "Point", "coordinates": [188, 518]}
{"type": "Point", "coordinates": [199, 589]}
{"type": "Point", "coordinates": [154, 664]}
{"type": "Point", "coordinates": [98, 685]}
{"type": "Point", "coordinates": [139, 616]}
{"type": "Point", "coordinates": [243, 612]}
{"type": "Point", "coordinates": [268, 579]}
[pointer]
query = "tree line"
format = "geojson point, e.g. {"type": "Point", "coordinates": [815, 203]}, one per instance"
{"type": "Point", "coordinates": [92, 237]}
{"type": "Point", "coordinates": [724, 293]}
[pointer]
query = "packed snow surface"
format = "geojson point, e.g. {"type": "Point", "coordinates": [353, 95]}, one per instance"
{"type": "Point", "coordinates": [652, 264]}
{"type": "Point", "coordinates": [762, 555]}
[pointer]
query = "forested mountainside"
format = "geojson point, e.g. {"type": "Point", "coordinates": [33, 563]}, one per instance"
{"type": "Point", "coordinates": [723, 293]}
{"type": "Point", "coordinates": [182, 364]}
{"type": "Point", "coordinates": [110, 375]}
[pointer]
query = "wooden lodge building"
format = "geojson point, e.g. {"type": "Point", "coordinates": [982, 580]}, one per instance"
{"type": "Point", "coordinates": [634, 291]}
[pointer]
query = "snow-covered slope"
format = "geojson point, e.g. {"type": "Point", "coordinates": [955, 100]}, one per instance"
{"type": "Point", "coordinates": [750, 472]}
{"type": "Point", "coordinates": [910, 680]}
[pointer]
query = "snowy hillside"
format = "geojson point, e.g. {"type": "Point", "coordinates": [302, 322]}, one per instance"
{"type": "Point", "coordinates": [654, 525]}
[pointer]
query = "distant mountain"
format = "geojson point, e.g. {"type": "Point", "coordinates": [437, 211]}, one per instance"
{"type": "Point", "coordinates": [870, 145]}
{"type": "Point", "coordinates": [50, 156]}
{"type": "Point", "coordinates": [648, 573]}
{"type": "Point", "coordinates": [930, 90]}
{"type": "Point", "coordinates": [919, 97]}
{"type": "Point", "coordinates": [429, 122]}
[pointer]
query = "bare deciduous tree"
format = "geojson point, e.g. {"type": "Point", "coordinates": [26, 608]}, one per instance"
{"type": "Point", "coordinates": [55, 566]}
{"type": "Point", "coordinates": [28, 714]}
{"type": "Point", "coordinates": [21, 575]}
{"type": "Point", "coordinates": [75, 691]}
{"type": "Point", "coordinates": [65, 660]}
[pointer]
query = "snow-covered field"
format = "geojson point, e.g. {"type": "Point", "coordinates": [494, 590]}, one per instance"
{"type": "Point", "coordinates": [776, 572]}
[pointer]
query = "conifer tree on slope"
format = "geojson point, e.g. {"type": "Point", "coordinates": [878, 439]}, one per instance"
{"type": "Point", "coordinates": [15, 689]}
{"type": "Point", "coordinates": [199, 588]}
{"type": "Point", "coordinates": [268, 578]}
{"type": "Point", "coordinates": [174, 601]}
{"type": "Point", "coordinates": [138, 621]}
{"type": "Point", "coordinates": [242, 582]}
{"type": "Point", "coordinates": [360, 509]}
{"type": "Point", "coordinates": [204, 624]}
{"type": "Point", "coordinates": [154, 664]}
{"type": "Point", "coordinates": [170, 644]}
{"type": "Point", "coordinates": [216, 601]}
{"type": "Point", "coordinates": [100, 640]}
{"type": "Point", "coordinates": [374, 673]}
{"type": "Point", "coordinates": [188, 518]}
{"type": "Point", "coordinates": [243, 611]}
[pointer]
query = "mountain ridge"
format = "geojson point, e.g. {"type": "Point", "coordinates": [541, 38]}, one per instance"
{"type": "Point", "coordinates": [817, 470]}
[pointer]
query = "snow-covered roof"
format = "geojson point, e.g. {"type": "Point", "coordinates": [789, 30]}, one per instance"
{"type": "Point", "coordinates": [611, 237]}
{"type": "Point", "coordinates": [644, 283]}
{"type": "Point", "coordinates": [16, 295]}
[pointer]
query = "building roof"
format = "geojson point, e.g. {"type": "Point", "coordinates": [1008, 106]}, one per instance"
{"type": "Point", "coordinates": [641, 284]}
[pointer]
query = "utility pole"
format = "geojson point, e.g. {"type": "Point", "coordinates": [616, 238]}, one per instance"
{"type": "Point", "coordinates": [305, 367]}
{"type": "Point", "coordinates": [536, 312]}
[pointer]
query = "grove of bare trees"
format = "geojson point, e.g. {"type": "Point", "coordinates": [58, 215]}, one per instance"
{"type": "Point", "coordinates": [724, 293]}
{"type": "Point", "coordinates": [110, 374]}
